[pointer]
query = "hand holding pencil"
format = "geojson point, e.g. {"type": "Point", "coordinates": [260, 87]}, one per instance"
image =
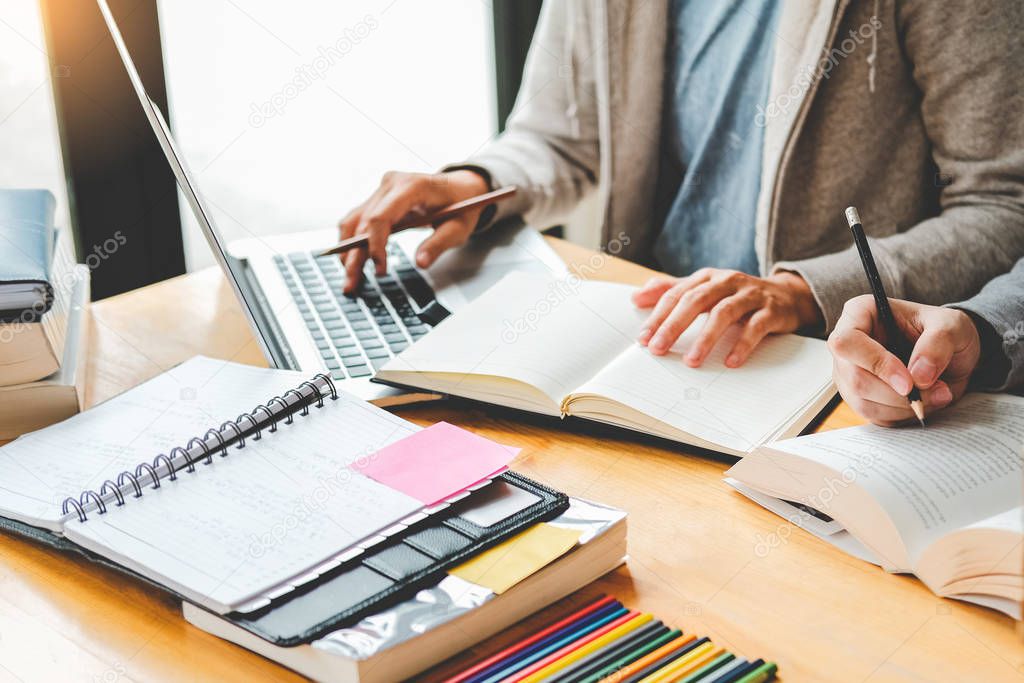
{"type": "Point", "coordinates": [896, 360]}
{"type": "Point", "coordinates": [875, 382]}
{"type": "Point", "coordinates": [451, 202]}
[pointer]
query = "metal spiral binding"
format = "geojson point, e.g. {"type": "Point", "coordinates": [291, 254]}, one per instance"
{"type": "Point", "coordinates": [178, 458]}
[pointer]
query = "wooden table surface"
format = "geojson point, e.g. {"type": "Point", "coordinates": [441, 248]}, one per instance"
{"type": "Point", "coordinates": [701, 556]}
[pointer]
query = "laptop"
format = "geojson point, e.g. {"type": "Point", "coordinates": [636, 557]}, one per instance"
{"type": "Point", "coordinates": [293, 300]}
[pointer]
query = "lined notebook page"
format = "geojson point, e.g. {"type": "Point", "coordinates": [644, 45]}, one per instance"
{"type": "Point", "coordinates": [261, 515]}
{"type": "Point", "coordinates": [739, 408]}
{"type": "Point", "coordinates": [551, 334]}
{"type": "Point", "coordinates": [39, 470]}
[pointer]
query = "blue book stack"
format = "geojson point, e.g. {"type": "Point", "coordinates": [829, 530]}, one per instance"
{"type": "Point", "coordinates": [43, 301]}
{"type": "Point", "coordinates": [29, 239]}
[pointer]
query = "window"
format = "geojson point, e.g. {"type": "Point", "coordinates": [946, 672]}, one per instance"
{"type": "Point", "coordinates": [289, 113]}
{"type": "Point", "coordinates": [29, 141]}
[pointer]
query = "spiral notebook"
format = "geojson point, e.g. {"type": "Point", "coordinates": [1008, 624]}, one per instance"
{"type": "Point", "coordinates": [227, 518]}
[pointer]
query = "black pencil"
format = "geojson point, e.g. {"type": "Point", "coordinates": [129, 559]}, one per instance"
{"type": "Point", "coordinates": [897, 342]}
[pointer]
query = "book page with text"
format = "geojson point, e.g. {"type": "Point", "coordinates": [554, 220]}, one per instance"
{"type": "Point", "coordinates": [552, 334]}
{"type": "Point", "coordinates": [964, 467]}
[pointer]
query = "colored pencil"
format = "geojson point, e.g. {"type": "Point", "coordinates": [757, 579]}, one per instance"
{"type": "Point", "coordinates": [636, 641]}
{"type": "Point", "coordinates": [685, 664]}
{"type": "Point", "coordinates": [605, 642]}
{"type": "Point", "coordinates": [763, 673]}
{"type": "Point", "coordinates": [620, 663]}
{"type": "Point", "coordinates": [665, 661]}
{"type": "Point", "coordinates": [716, 663]}
{"type": "Point", "coordinates": [726, 671]}
{"type": "Point", "coordinates": [568, 621]}
{"type": "Point", "coordinates": [563, 636]}
{"type": "Point", "coordinates": [565, 644]}
{"type": "Point", "coordinates": [560, 660]}
{"type": "Point", "coordinates": [738, 674]}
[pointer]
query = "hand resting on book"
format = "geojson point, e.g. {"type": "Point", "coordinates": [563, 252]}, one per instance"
{"type": "Point", "coordinates": [782, 302]}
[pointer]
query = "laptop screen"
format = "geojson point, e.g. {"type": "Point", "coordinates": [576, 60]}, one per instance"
{"type": "Point", "coordinates": [186, 181]}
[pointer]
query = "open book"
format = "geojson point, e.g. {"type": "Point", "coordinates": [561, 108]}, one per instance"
{"type": "Point", "coordinates": [568, 347]}
{"type": "Point", "coordinates": [226, 511]}
{"type": "Point", "coordinates": [945, 502]}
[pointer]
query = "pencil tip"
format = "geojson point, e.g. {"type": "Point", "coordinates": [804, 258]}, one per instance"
{"type": "Point", "coordinates": [918, 408]}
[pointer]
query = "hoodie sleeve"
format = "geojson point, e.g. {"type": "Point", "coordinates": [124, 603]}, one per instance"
{"type": "Point", "coordinates": [549, 149]}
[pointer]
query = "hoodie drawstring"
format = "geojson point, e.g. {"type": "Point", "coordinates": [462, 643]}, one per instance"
{"type": "Point", "coordinates": [568, 58]}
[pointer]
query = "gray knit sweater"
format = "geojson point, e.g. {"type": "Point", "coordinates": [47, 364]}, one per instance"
{"type": "Point", "coordinates": [1001, 304]}
{"type": "Point", "coordinates": [908, 109]}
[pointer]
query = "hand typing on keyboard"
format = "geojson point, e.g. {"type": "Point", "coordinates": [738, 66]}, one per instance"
{"type": "Point", "coordinates": [403, 195]}
{"type": "Point", "coordinates": [357, 335]}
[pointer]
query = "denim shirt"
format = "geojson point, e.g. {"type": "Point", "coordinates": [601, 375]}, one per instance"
{"type": "Point", "coordinates": [720, 60]}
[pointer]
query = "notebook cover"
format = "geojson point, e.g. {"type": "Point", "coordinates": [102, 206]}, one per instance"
{"type": "Point", "coordinates": [26, 229]}
{"type": "Point", "coordinates": [394, 570]}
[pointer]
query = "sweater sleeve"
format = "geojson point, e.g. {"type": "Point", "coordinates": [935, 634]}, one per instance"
{"type": "Point", "coordinates": [549, 149]}
{"type": "Point", "coordinates": [967, 58]}
{"type": "Point", "coordinates": [1000, 304]}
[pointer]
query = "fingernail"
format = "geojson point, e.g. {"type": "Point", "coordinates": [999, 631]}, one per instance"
{"type": "Point", "coordinates": [733, 360]}
{"type": "Point", "coordinates": [645, 335]}
{"type": "Point", "coordinates": [900, 384]}
{"type": "Point", "coordinates": [693, 357]}
{"type": "Point", "coordinates": [942, 395]}
{"type": "Point", "coordinates": [658, 343]}
{"type": "Point", "coordinates": [923, 371]}
{"type": "Point", "coordinates": [422, 259]}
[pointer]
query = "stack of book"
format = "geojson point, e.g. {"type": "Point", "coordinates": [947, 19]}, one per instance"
{"type": "Point", "coordinates": [43, 308]}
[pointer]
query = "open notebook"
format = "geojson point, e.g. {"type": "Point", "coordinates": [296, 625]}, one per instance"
{"type": "Point", "coordinates": [945, 502]}
{"type": "Point", "coordinates": [256, 505]}
{"type": "Point", "coordinates": [568, 347]}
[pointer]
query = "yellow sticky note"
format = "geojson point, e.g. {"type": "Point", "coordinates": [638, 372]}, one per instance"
{"type": "Point", "coordinates": [508, 563]}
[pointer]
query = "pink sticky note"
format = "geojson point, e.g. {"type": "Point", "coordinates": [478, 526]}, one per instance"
{"type": "Point", "coordinates": [436, 463]}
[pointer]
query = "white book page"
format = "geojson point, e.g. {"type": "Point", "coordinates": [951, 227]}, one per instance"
{"type": "Point", "coordinates": [964, 467]}
{"type": "Point", "coordinates": [831, 532]}
{"type": "Point", "coordinates": [551, 334]}
{"type": "Point", "coordinates": [261, 515]}
{"type": "Point", "coordinates": [1008, 520]}
{"type": "Point", "coordinates": [739, 408]}
{"type": "Point", "coordinates": [39, 470]}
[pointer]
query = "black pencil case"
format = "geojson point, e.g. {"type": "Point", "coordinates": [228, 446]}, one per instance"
{"type": "Point", "coordinates": [397, 568]}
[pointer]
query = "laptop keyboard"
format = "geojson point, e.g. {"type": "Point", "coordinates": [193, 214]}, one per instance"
{"type": "Point", "coordinates": [357, 335]}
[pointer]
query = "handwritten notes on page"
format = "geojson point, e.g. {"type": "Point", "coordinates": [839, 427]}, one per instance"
{"type": "Point", "coordinates": [40, 469]}
{"type": "Point", "coordinates": [264, 514]}
{"type": "Point", "coordinates": [436, 463]}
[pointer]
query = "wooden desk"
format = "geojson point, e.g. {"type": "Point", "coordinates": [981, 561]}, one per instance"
{"type": "Point", "coordinates": [696, 548]}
